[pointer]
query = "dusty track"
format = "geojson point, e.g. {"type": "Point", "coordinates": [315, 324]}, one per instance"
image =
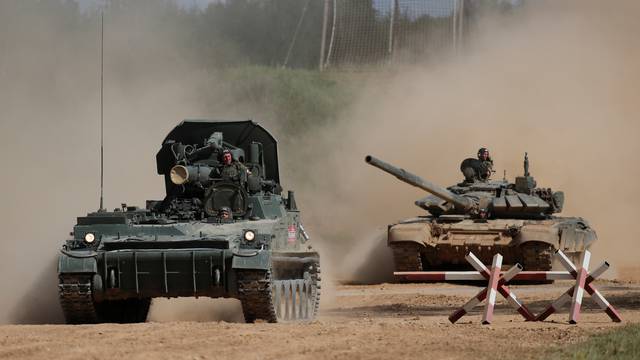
{"type": "Point", "coordinates": [372, 321]}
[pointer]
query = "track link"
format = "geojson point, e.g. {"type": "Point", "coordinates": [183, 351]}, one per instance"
{"type": "Point", "coordinates": [76, 299]}
{"type": "Point", "coordinates": [254, 292]}
{"type": "Point", "coordinates": [537, 256]}
{"type": "Point", "coordinates": [273, 301]}
{"type": "Point", "coordinates": [316, 279]}
{"type": "Point", "coordinates": [406, 256]}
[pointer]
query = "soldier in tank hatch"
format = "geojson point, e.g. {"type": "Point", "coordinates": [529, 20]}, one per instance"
{"type": "Point", "coordinates": [233, 170]}
{"type": "Point", "coordinates": [225, 214]}
{"type": "Point", "coordinates": [487, 162]}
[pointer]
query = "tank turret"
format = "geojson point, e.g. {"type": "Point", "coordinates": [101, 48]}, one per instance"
{"type": "Point", "coordinates": [482, 198]}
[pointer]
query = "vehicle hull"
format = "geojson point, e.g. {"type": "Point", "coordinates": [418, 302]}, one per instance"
{"type": "Point", "coordinates": [431, 243]}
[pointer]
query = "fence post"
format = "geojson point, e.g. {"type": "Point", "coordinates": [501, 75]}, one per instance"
{"type": "Point", "coordinates": [323, 40]}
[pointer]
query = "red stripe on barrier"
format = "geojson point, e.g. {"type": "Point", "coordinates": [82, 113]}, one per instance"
{"type": "Point", "coordinates": [613, 314]}
{"type": "Point", "coordinates": [457, 315]}
{"type": "Point", "coordinates": [546, 313]}
{"type": "Point", "coordinates": [610, 310]}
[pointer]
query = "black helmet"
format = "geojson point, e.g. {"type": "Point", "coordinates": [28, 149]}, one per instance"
{"type": "Point", "coordinates": [482, 151]}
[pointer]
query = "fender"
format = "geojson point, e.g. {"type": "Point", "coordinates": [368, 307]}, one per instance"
{"type": "Point", "coordinates": [258, 260]}
{"type": "Point", "coordinates": [575, 239]}
{"type": "Point", "coordinates": [538, 233]}
{"type": "Point", "coordinates": [69, 264]}
{"type": "Point", "coordinates": [418, 233]}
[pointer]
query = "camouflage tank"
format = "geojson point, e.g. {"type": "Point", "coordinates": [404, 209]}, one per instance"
{"type": "Point", "coordinates": [222, 230]}
{"type": "Point", "coordinates": [485, 217]}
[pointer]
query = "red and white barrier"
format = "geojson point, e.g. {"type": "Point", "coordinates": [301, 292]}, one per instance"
{"type": "Point", "coordinates": [568, 295]}
{"type": "Point", "coordinates": [477, 299]}
{"type": "Point", "coordinates": [497, 281]}
{"type": "Point", "coordinates": [476, 276]}
{"type": "Point", "coordinates": [492, 289]}
{"type": "Point", "coordinates": [571, 294]}
{"type": "Point", "coordinates": [497, 284]}
{"type": "Point", "coordinates": [511, 297]}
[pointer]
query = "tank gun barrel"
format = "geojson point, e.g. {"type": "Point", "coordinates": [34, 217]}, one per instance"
{"type": "Point", "coordinates": [415, 180]}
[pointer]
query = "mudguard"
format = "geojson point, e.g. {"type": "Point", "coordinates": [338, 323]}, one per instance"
{"type": "Point", "coordinates": [76, 265]}
{"type": "Point", "coordinates": [259, 260]}
{"type": "Point", "coordinates": [538, 233]}
{"type": "Point", "coordinates": [577, 239]}
{"type": "Point", "coordinates": [419, 233]}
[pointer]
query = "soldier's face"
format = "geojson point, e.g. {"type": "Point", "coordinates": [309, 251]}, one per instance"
{"type": "Point", "coordinates": [484, 155]}
{"type": "Point", "coordinates": [225, 215]}
{"type": "Point", "coordinates": [226, 159]}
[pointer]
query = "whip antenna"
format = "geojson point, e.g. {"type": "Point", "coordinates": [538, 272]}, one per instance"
{"type": "Point", "coordinates": [101, 110]}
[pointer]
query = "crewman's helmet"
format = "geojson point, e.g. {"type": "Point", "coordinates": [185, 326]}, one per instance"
{"type": "Point", "coordinates": [225, 213]}
{"type": "Point", "coordinates": [483, 154]}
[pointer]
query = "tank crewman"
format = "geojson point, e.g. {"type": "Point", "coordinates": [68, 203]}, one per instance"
{"type": "Point", "coordinates": [225, 214]}
{"type": "Point", "coordinates": [233, 170]}
{"type": "Point", "coordinates": [487, 162]}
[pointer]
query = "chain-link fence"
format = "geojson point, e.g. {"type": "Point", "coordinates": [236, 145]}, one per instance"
{"type": "Point", "coordinates": [378, 32]}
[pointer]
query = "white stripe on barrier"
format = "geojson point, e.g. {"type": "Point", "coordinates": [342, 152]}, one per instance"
{"type": "Point", "coordinates": [581, 277]}
{"type": "Point", "coordinates": [580, 294]}
{"type": "Point", "coordinates": [494, 279]}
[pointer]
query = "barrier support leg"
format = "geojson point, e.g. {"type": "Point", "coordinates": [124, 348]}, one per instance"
{"type": "Point", "coordinates": [492, 289]}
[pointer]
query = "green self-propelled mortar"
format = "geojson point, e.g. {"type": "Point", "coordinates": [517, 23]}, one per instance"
{"type": "Point", "coordinates": [211, 236]}
{"type": "Point", "coordinates": [486, 217]}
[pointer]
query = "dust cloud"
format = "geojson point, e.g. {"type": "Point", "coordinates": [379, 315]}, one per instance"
{"type": "Point", "coordinates": [199, 310]}
{"type": "Point", "coordinates": [49, 131]}
{"type": "Point", "coordinates": [556, 79]}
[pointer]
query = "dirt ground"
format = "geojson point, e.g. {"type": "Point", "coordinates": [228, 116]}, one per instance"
{"type": "Point", "coordinates": [356, 322]}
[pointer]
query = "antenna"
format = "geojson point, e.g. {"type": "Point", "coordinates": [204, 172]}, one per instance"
{"type": "Point", "coordinates": [101, 110]}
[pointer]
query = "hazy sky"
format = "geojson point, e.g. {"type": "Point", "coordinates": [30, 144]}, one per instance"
{"type": "Point", "coordinates": [201, 4]}
{"type": "Point", "coordinates": [434, 7]}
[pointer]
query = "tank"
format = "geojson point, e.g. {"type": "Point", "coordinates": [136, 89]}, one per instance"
{"type": "Point", "coordinates": [485, 217]}
{"type": "Point", "coordinates": [220, 231]}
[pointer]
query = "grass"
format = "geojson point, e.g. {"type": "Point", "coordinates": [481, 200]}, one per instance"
{"type": "Point", "coordinates": [299, 99]}
{"type": "Point", "coordinates": [622, 343]}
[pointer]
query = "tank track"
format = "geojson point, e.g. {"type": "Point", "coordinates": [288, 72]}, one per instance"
{"type": "Point", "coordinates": [316, 277]}
{"type": "Point", "coordinates": [537, 256]}
{"type": "Point", "coordinates": [76, 299]}
{"type": "Point", "coordinates": [256, 293]}
{"type": "Point", "coordinates": [406, 257]}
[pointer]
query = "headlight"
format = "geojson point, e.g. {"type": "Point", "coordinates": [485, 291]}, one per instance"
{"type": "Point", "coordinates": [89, 238]}
{"type": "Point", "coordinates": [249, 235]}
